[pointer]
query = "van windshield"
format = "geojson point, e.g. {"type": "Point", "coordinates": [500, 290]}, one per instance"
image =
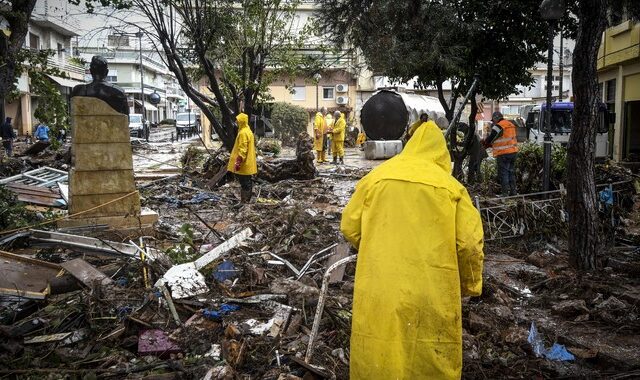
{"type": "Point", "coordinates": [561, 121]}
{"type": "Point", "coordinates": [135, 118]}
{"type": "Point", "coordinates": [186, 117]}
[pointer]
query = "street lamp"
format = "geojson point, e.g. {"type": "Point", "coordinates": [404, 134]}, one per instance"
{"type": "Point", "coordinates": [316, 78]}
{"type": "Point", "coordinates": [552, 11]}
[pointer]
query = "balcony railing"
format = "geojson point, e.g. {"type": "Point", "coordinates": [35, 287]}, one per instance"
{"type": "Point", "coordinates": [72, 69]}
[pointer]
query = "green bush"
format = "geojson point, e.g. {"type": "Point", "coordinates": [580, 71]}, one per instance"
{"type": "Point", "coordinates": [288, 120]}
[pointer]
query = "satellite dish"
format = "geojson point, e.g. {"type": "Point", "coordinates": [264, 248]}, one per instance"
{"type": "Point", "coordinates": [154, 98]}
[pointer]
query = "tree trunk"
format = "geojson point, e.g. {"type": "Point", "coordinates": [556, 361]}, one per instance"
{"type": "Point", "coordinates": [581, 190]}
{"type": "Point", "coordinates": [18, 18]}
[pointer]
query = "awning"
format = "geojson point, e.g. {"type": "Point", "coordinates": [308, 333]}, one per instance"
{"type": "Point", "coordinates": [147, 106]}
{"type": "Point", "coordinates": [64, 82]}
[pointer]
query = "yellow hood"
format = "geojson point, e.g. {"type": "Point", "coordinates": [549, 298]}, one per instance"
{"type": "Point", "coordinates": [243, 120]}
{"type": "Point", "coordinates": [428, 143]}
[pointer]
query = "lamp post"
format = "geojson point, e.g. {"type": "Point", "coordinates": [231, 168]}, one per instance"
{"type": "Point", "coordinates": [552, 11]}
{"type": "Point", "coordinates": [316, 78]}
{"type": "Point", "coordinates": [144, 113]}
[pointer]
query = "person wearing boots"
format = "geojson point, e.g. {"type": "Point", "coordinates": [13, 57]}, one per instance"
{"type": "Point", "coordinates": [318, 135]}
{"type": "Point", "coordinates": [337, 138]}
{"type": "Point", "coordinates": [243, 158]}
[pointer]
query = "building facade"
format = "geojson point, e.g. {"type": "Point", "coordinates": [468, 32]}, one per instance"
{"type": "Point", "coordinates": [51, 28]}
{"type": "Point", "coordinates": [619, 79]}
{"type": "Point", "coordinates": [124, 71]}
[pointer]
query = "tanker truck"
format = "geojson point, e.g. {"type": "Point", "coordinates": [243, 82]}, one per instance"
{"type": "Point", "coordinates": [386, 115]}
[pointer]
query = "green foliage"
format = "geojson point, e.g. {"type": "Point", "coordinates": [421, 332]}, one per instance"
{"type": "Point", "coordinates": [13, 214]}
{"type": "Point", "coordinates": [185, 250]}
{"type": "Point", "coordinates": [497, 39]}
{"type": "Point", "coordinates": [288, 120]}
{"type": "Point", "coordinates": [267, 145]}
{"type": "Point", "coordinates": [530, 165]}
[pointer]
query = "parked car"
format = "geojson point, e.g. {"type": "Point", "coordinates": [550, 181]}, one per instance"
{"type": "Point", "coordinates": [138, 126]}
{"type": "Point", "coordinates": [187, 122]}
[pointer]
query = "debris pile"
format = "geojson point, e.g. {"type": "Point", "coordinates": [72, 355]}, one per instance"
{"type": "Point", "coordinates": [264, 291]}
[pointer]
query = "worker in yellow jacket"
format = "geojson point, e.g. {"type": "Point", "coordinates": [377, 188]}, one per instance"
{"type": "Point", "coordinates": [420, 245]}
{"type": "Point", "coordinates": [319, 136]}
{"type": "Point", "coordinates": [337, 137]}
{"type": "Point", "coordinates": [423, 119]}
{"type": "Point", "coordinates": [243, 158]}
{"type": "Point", "coordinates": [329, 121]}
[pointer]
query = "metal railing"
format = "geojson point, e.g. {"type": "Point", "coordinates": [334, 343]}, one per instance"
{"type": "Point", "coordinates": [514, 216]}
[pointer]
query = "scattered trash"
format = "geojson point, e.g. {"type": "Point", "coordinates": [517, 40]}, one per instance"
{"type": "Point", "coordinates": [223, 310]}
{"type": "Point", "coordinates": [557, 352]}
{"type": "Point", "coordinates": [156, 342]}
{"type": "Point", "coordinates": [225, 271]}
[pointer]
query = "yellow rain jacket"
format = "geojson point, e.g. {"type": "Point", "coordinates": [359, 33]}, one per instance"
{"type": "Point", "coordinates": [243, 147]}
{"type": "Point", "coordinates": [328, 122]}
{"type": "Point", "coordinates": [339, 129]}
{"type": "Point", "coordinates": [420, 244]}
{"type": "Point", "coordinates": [318, 132]}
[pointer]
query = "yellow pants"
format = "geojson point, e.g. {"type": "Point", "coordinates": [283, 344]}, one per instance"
{"type": "Point", "coordinates": [337, 147]}
{"type": "Point", "coordinates": [321, 155]}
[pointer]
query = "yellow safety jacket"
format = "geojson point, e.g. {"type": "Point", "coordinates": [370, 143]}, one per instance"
{"type": "Point", "coordinates": [339, 129]}
{"type": "Point", "coordinates": [419, 241]}
{"type": "Point", "coordinates": [507, 142]}
{"type": "Point", "coordinates": [318, 132]}
{"type": "Point", "coordinates": [244, 147]}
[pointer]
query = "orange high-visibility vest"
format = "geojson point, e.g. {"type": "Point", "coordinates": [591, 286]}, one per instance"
{"type": "Point", "coordinates": [507, 143]}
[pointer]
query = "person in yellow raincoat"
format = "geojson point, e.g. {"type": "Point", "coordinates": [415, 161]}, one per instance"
{"type": "Point", "coordinates": [329, 121]}
{"type": "Point", "coordinates": [423, 119]}
{"type": "Point", "coordinates": [319, 136]}
{"type": "Point", "coordinates": [243, 158]}
{"type": "Point", "coordinates": [337, 137]}
{"type": "Point", "coordinates": [420, 244]}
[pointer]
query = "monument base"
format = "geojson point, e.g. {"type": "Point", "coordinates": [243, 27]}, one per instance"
{"type": "Point", "coordinates": [145, 221]}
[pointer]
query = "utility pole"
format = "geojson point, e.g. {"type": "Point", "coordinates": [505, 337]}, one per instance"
{"type": "Point", "coordinates": [144, 113]}
{"type": "Point", "coordinates": [561, 66]}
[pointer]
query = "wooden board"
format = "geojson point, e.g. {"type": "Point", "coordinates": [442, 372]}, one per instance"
{"type": "Point", "coordinates": [342, 251]}
{"type": "Point", "coordinates": [23, 276]}
{"type": "Point", "coordinates": [86, 273]}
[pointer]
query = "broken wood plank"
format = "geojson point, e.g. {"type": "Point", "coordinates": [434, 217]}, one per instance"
{"type": "Point", "coordinates": [47, 338]}
{"type": "Point", "coordinates": [23, 294]}
{"type": "Point", "coordinates": [67, 283]}
{"type": "Point", "coordinates": [228, 245]}
{"type": "Point", "coordinates": [280, 320]}
{"type": "Point", "coordinates": [86, 273]}
{"type": "Point", "coordinates": [342, 251]}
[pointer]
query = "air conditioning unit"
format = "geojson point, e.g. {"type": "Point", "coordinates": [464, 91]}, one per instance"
{"type": "Point", "coordinates": [342, 100]}
{"type": "Point", "coordinates": [342, 87]}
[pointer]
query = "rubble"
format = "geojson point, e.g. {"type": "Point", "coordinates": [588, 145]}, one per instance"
{"type": "Point", "coordinates": [265, 304]}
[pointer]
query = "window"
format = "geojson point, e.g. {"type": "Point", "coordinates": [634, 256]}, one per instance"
{"type": "Point", "coordinates": [298, 93]}
{"type": "Point", "coordinates": [327, 93]}
{"type": "Point", "coordinates": [610, 94]}
{"type": "Point", "coordinates": [112, 76]}
{"type": "Point", "coordinates": [34, 41]}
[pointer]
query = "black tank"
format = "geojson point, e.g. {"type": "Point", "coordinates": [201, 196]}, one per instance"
{"type": "Point", "coordinates": [384, 116]}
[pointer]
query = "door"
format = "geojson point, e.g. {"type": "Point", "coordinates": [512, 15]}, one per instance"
{"type": "Point", "coordinates": [632, 130]}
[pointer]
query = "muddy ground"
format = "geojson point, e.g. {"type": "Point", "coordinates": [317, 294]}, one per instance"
{"type": "Point", "coordinates": [526, 280]}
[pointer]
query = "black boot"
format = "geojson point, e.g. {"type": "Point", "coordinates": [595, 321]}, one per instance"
{"type": "Point", "coordinates": [335, 160]}
{"type": "Point", "coordinates": [245, 196]}
{"type": "Point", "coordinates": [342, 160]}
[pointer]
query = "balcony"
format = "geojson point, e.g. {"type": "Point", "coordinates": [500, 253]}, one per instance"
{"type": "Point", "coordinates": [72, 69]}
{"type": "Point", "coordinates": [621, 43]}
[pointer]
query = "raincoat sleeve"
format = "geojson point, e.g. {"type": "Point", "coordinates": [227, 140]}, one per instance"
{"type": "Point", "coordinates": [243, 146]}
{"type": "Point", "coordinates": [351, 224]}
{"type": "Point", "coordinates": [469, 245]}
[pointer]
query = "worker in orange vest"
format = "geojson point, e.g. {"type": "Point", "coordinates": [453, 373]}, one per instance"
{"type": "Point", "coordinates": [505, 149]}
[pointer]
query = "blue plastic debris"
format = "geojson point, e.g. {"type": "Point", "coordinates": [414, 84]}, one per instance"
{"type": "Point", "coordinates": [606, 196]}
{"type": "Point", "coordinates": [225, 271]}
{"type": "Point", "coordinates": [559, 352]}
{"type": "Point", "coordinates": [223, 310]}
{"type": "Point", "coordinates": [122, 281]}
{"type": "Point", "coordinates": [536, 341]}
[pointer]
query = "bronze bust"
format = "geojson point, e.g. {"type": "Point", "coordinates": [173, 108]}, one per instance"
{"type": "Point", "coordinates": [101, 89]}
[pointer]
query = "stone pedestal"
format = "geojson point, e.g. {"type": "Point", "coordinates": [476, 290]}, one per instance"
{"type": "Point", "coordinates": [101, 184]}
